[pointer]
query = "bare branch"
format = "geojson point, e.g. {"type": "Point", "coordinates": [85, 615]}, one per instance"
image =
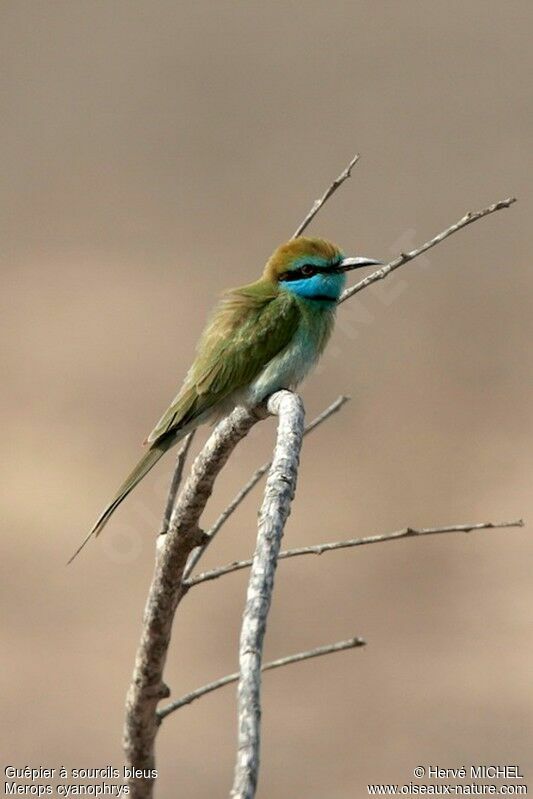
{"type": "Point", "coordinates": [176, 481]}
{"type": "Point", "coordinates": [279, 492]}
{"type": "Point", "coordinates": [329, 649]}
{"type": "Point", "coordinates": [166, 591]}
{"type": "Point", "coordinates": [317, 205]}
{"type": "Point", "coordinates": [197, 553]}
{"type": "Point", "coordinates": [379, 274]}
{"type": "Point", "coordinates": [318, 549]}
{"type": "Point", "coordinates": [183, 535]}
{"type": "Point", "coordinates": [404, 257]}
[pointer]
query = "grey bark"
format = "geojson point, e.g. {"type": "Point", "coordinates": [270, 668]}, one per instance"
{"type": "Point", "coordinates": [279, 492]}
{"type": "Point", "coordinates": [166, 591]}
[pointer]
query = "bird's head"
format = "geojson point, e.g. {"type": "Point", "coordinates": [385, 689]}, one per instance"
{"type": "Point", "coordinates": [313, 269]}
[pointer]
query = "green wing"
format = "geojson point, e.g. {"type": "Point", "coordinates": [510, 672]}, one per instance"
{"type": "Point", "coordinates": [249, 328]}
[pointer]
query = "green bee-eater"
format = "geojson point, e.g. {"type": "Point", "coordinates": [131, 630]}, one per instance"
{"type": "Point", "coordinates": [262, 337]}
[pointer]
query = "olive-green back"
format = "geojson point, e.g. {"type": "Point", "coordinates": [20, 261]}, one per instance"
{"type": "Point", "coordinates": [250, 326]}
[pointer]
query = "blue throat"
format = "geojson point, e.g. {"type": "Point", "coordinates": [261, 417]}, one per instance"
{"type": "Point", "coordinates": [322, 288]}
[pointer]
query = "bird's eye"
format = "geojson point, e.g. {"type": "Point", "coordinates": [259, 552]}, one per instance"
{"type": "Point", "coordinates": [307, 270]}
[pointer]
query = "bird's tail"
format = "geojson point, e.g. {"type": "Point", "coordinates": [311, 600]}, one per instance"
{"type": "Point", "coordinates": [142, 468]}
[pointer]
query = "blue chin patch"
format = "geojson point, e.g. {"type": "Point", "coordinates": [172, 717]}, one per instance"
{"type": "Point", "coordinates": [327, 288]}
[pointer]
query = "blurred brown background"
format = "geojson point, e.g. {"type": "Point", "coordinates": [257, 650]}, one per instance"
{"type": "Point", "coordinates": [154, 153]}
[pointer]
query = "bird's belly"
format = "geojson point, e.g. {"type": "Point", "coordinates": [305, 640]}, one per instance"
{"type": "Point", "coordinates": [286, 370]}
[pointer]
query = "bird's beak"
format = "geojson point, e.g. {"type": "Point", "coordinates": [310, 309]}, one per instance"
{"type": "Point", "coordinates": [356, 263]}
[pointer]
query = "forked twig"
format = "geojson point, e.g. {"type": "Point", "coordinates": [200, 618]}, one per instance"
{"type": "Point", "coordinates": [241, 495]}
{"type": "Point", "coordinates": [172, 564]}
{"type": "Point", "coordinates": [166, 591]}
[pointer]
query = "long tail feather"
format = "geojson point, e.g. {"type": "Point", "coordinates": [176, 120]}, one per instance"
{"type": "Point", "coordinates": [142, 468]}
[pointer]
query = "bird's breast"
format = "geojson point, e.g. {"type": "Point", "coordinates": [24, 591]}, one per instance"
{"type": "Point", "coordinates": [289, 367]}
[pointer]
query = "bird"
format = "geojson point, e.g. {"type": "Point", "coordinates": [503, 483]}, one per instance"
{"type": "Point", "coordinates": [262, 337]}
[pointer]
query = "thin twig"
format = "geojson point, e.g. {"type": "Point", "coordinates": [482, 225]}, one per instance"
{"type": "Point", "coordinates": [197, 553]}
{"type": "Point", "coordinates": [317, 205]}
{"type": "Point", "coordinates": [279, 492]}
{"type": "Point", "coordinates": [166, 591]}
{"type": "Point", "coordinates": [318, 549]}
{"type": "Point", "coordinates": [379, 274]}
{"type": "Point", "coordinates": [329, 649]}
{"type": "Point", "coordinates": [404, 257]}
{"type": "Point", "coordinates": [176, 481]}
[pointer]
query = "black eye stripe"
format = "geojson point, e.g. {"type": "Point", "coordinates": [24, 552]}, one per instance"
{"type": "Point", "coordinates": [299, 274]}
